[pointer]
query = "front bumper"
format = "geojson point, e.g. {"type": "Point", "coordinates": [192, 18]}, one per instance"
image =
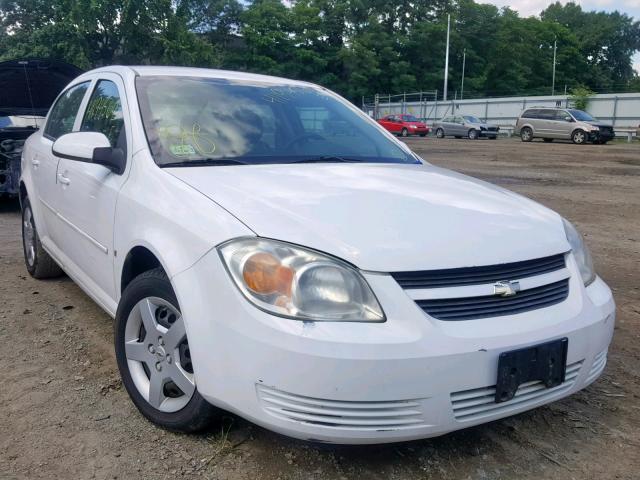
{"type": "Point", "coordinates": [408, 378]}
{"type": "Point", "coordinates": [601, 135]}
{"type": "Point", "coordinates": [488, 133]}
{"type": "Point", "coordinates": [418, 131]}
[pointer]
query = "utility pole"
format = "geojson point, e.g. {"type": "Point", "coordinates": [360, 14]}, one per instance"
{"type": "Point", "coordinates": [553, 78]}
{"type": "Point", "coordinates": [464, 60]}
{"type": "Point", "coordinates": [446, 61]}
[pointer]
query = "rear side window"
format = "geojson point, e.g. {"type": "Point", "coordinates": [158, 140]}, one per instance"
{"type": "Point", "coordinates": [531, 113]}
{"type": "Point", "coordinates": [104, 114]}
{"type": "Point", "coordinates": [547, 114]}
{"type": "Point", "coordinates": [63, 114]}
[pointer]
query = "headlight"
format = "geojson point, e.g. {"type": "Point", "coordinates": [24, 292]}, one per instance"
{"type": "Point", "coordinates": [294, 282]}
{"type": "Point", "coordinates": [580, 252]}
{"type": "Point", "coordinates": [413, 126]}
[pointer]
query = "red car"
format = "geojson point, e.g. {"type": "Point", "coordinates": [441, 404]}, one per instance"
{"type": "Point", "coordinates": [404, 125]}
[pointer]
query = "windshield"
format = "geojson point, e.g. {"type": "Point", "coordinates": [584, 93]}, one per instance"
{"type": "Point", "coordinates": [410, 118]}
{"type": "Point", "coordinates": [198, 121]}
{"type": "Point", "coordinates": [472, 119]}
{"type": "Point", "coordinates": [582, 116]}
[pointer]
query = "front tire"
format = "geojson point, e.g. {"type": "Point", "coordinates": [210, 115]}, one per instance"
{"type": "Point", "coordinates": [579, 137]}
{"type": "Point", "coordinates": [153, 356]}
{"type": "Point", "coordinates": [472, 134]}
{"type": "Point", "coordinates": [526, 134]}
{"type": "Point", "coordinates": [404, 132]}
{"type": "Point", "coordinates": [39, 263]}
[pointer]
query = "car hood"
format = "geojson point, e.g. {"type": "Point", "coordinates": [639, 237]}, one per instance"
{"type": "Point", "coordinates": [598, 123]}
{"type": "Point", "coordinates": [384, 217]}
{"type": "Point", "coordinates": [29, 87]}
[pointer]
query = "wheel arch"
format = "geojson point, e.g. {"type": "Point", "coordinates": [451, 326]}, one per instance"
{"type": "Point", "coordinates": [139, 259]}
{"type": "Point", "coordinates": [22, 192]}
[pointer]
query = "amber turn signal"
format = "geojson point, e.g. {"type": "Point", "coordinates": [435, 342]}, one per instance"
{"type": "Point", "coordinates": [264, 274]}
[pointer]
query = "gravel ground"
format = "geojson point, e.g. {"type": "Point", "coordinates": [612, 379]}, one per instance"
{"type": "Point", "coordinates": [66, 415]}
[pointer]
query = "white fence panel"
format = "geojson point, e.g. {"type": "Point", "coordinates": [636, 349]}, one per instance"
{"type": "Point", "coordinates": [622, 109]}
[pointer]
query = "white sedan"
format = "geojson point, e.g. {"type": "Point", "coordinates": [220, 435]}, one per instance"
{"type": "Point", "coordinates": [268, 249]}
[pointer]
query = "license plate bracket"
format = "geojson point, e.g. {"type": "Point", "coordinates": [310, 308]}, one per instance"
{"type": "Point", "coordinates": [546, 362]}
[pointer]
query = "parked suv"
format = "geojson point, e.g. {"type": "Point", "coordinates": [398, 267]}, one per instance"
{"type": "Point", "coordinates": [267, 248]}
{"type": "Point", "coordinates": [465, 126]}
{"type": "Point", "coordinates": [562, 123]}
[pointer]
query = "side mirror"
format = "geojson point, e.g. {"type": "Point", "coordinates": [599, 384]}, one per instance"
{"type": "Point", "coordinates": [568, 119]}
{"type": "Point", "coordinates": [90, 147]}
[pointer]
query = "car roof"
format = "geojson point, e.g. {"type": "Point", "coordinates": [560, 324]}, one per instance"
{"type": "Point", "coordinates": [146, 70]}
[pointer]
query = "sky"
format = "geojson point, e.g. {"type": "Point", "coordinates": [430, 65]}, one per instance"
{"type": "Point", "coordinates": [533, 7]}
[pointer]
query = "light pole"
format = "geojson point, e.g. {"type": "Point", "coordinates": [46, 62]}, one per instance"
{"type": "Point", "coordinates": [446, 60]}
{"type": "Point", "coordinates": [464, 60]}
{"type": "Point", "coordinates": [553, 77]}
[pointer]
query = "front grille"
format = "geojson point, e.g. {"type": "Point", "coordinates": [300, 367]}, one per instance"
{"type": "Point", "coordinates": [382, 415]}
{"type": "Point", "coordinates": [479, 403]}
{"type": "Point", "coordinates": [471, 308]}
{"type": "Point", "coordinates": [455, 277]}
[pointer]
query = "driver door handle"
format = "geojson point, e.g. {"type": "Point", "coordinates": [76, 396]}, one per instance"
{"type": "Point", "coordinates": [63, 180]}
{"type": "Point", "coordinates": [35, 163]}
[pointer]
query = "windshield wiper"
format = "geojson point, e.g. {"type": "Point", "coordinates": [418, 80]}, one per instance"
{"type": "Point", "coordinates": [204, 162]}
{"type": "Point", "coordinates": [327, 159]}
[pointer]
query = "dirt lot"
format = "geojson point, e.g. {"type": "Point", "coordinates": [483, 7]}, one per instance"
{"type": "Point", "coordinates": [64, 413]}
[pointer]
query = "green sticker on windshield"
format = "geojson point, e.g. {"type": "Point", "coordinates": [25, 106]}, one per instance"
{"type": "Point", "coordinates": [181, 150]}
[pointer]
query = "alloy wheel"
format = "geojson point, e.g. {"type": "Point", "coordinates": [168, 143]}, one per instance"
{"type": "Point", "coordinates": [29, 235]}
{"type": "Point", "coordinates": [440, 133]}
{"type": "Point", "coordinates": [158, 354]}
{"type": "Point", "coordinates": [579, 137]}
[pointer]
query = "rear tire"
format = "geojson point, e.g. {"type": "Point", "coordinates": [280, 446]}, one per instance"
{"type": "Point", "coordinates": [440, 133]}
{"type": "Point", "coordinates": [579, 137]}
{"type": "Point", "coordinates": [154, 359]}
{"type": "Point", "coordinates": [526, 134]}
{"type": "Point", "coordinates": [39, 263]}
{"type": "Point", "coordinates": [547, 140]}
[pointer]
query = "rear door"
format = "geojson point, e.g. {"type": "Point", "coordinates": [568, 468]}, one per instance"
{"type": "Point", "coordinates": [44, 164]}
{"type": "Point", "coordinates": [87, 193]}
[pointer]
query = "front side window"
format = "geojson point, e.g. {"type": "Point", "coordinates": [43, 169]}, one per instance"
{"type": "Point", "coordinates": [472, 119]}
{"type": "Point", "coordinates": [63, 113]}
{"type": "Point", "coordinates": [193, 120]}
{"type": "Point", "coordinates": [104, 114]}
{"type": "Point", "coordinates": [410, 118]}
{"type": "Point", "coordinates": [581, 116]}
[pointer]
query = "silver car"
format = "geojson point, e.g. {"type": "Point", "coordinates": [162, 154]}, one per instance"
{"type": "Point", "coordinates": [465, 126]}
{"type": "Point", "coordinates": [564, 124]}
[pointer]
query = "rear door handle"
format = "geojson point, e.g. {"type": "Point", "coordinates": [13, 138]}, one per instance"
{"type": "Point", "coordinates": [63, 180]}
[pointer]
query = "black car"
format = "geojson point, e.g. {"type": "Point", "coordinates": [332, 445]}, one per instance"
{"type": "Point", "coordinates": [27, 90]}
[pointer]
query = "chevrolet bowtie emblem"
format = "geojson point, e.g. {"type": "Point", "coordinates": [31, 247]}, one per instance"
{"type": "Point", "coordinates": [506, 289]}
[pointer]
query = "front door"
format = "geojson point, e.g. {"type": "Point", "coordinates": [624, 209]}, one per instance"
{"type": "Point", "coordinates": [87, 193]}
{"type": "Point", "coordinates": [44, 165]}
